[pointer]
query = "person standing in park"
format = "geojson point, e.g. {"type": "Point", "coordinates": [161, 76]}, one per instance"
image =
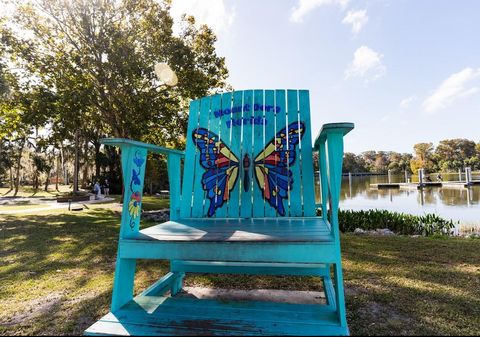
{"type": "Point", "coordinates": [97, 190]}
{"type": "Point", "coordinates": [106, 188]}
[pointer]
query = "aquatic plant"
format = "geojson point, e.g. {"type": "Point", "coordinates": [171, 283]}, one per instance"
{"type": "Point", "coordinates": [400, 223]}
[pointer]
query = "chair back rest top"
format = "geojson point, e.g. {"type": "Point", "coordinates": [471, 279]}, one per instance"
{"type": "Point", "coordinates": [249, 155]}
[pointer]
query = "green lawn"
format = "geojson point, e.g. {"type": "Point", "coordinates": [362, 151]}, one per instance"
{"type": "Point", "coordinates": [150, 203]}
{"type": "Point", "coordinates": [56, 274]}
{"type": "Point", "coordinates": [28, 191]}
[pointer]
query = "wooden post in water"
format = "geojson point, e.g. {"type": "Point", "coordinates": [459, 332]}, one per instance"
{"type": "Point", "coordinates": [350, 183]}
{"type": "Point", "coordinates": [420, 177]}
{"type": "Point", "coordinates": [469, 196]}
{"type": "Point", "coordinates": [468, 175]}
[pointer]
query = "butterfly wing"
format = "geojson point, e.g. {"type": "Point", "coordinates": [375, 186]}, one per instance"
{"type": "Point", "coordinates": [221, 167]}
{"type": "Point", "coordinates": [272, 165]}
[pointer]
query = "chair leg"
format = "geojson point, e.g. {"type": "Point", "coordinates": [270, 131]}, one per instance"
{"type": "Point", "coordinates": [123, 283]}
{"type": "Point", "coordinates": [329, 292]}
{"type": "Point", "coordinates": [340, 294]}
{"type": "Point", "coordinates": [177, 284]}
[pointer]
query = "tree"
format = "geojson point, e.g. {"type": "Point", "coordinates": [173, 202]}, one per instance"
{"type": "Point", "coordinates": [353, 163]}
{"type": "Point", "coordinates": [423, 157]}
{"type": "Point", "coordinates": [454, 154]}
{"type": "Point", "coordinates": [369, 158]}
{"type": "Point", "coordinates": [102, 55]}
{"type": "Point", "coordinates": [381, 162]}
{"type": "Point", "coordinates": [90, 66]}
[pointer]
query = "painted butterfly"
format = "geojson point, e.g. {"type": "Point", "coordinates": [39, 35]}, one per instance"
{"type": "Point", "coordinates": [271, 166]}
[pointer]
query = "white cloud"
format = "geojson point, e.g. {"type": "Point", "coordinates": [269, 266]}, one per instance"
{"type": "Point", "coordinates": [306, 6]}
{"type": "Point", "coordinates": [367, 64]}
{"type": "Point", "coordinates": [458, 85]}
{"type": "Point", "coordinates": [357, 19]}
{"type": "Point", "coordinates": [213, 13]}
{"type": "Point", "coordinates": [405, 103]}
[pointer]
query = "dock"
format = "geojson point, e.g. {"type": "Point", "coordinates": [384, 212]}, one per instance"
{"type": "Point", "coordinates": [446, 184]}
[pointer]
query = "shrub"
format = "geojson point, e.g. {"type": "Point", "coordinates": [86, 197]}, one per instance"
{"type": "Point", "coordinates": [400, 223]}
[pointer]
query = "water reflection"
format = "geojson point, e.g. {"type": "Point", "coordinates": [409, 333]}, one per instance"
{"type": "Point", "coordinates": [457, 203]}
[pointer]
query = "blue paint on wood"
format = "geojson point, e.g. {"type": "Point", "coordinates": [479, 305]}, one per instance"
{"type": "Point", "coordinates": [214, 127]}
{"type": "Point", "coordinates": [257, 154]}
{"type": "Point", "coordinates": [174, 169]}
{"type": "Point", "coordinates": [246, 174]}
{"type": "Point", "coordinates": [235, 147]}
{"type": "Point", "coordinates": [249, 268]}
{"type": "Point", "coordinates": [270, 113]}
{"type": "Point", "coordinates": [295, 191]}
{"type": "Point", "coordinates": [160, 287]}
{"type": "Point", "coordinates": [147, 315]}
{"type": "Point", "coordinates": [190, 161]}
{"type": "Point", "coordinates": [225, 138]}
{"type": "Point", "coordinates": [280, 123]}
{"type": "Point", "coordinates": [198, 189]}
{"type": "Point", "coordinates": [308, 182]}
{"type": "Point", "coordinates": [236, 238]}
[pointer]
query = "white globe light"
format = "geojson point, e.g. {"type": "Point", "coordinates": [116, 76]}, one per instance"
{"type": "Point", "coordinates": [166, 74]}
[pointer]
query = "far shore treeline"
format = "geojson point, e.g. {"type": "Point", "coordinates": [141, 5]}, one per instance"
{"type": "Point", "coordinates": [449, 155]}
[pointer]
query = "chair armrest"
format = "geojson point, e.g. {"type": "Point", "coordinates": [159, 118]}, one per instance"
{"type": "Point", "coordinates": [343, 128]}
{"type": "Point", "coordinates": [329, 145]}
{"type": "Point", "coordinates": [149, 147]}
{"type": "Point", "coordinates": [134, 157]}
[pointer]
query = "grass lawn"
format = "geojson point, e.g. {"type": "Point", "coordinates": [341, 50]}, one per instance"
{"type": "Point", "coordinates": [56, 275]}
{"type": "Point", "coordinates": [150, 203]}
{"type": "Point", "coordinates": [28, 191]}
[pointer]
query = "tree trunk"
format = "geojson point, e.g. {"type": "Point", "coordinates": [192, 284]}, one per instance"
{"type": "Point", "coordinates": [75, 166]}
{"type": "Point", "coordinates": [11, 178]}
{"type": "Point", "coordinates": [97, 144]}
{"type": "Point", "coordinates": [35, 181]}
{"type": "Point", "coordinates": [64, 169]}
{"type": "Point", "coordinates": [47, 181]}
{"type": "Point", "coordinates": [85, 165]}
{"type": "Point", "coordinates": [17, 173]}
{"type": "Point", "coordinates": [57, 162]}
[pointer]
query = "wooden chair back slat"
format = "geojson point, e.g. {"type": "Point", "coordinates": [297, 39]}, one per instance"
{"type": "Point", "coordinates": [258, 155]}
{"type": "Point", "coordinates": [190, 163]}
{"type": "Point", "coordinates": [249, 154]}
{"type": "Point", "coordinates": [308, 181]}
{"type": "Point", "coordinates": [235, 147]}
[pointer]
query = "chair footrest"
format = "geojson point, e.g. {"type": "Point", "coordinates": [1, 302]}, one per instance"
{"type": "Point", "coordinates": [148, 315]}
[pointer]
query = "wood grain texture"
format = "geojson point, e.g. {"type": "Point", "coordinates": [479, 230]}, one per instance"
{"type": "Point", "coordinates": [263, 230]}
{"type": "Point", "coordinates": [245, 234]}
{"type": "Point", "coordinates": [186, 316]}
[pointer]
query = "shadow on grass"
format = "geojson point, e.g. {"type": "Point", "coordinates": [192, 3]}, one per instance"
{"type": "Point", "coordinates": [408, 286]}
{"type": "Point", "coordinates": [58, 271]}
{"type": "Point", "coordinates": [39, 244]}
{"type": "Point", "coordinates": [10, 190]}
{"type": "Point", "coordinates": [394, 286]}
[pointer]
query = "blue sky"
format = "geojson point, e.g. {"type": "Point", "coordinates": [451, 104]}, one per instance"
{"type": "Point", "coordinates": [403, 71]}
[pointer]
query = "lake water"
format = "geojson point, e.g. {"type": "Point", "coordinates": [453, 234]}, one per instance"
{"type": "Point", "coordinates": [459, 204]}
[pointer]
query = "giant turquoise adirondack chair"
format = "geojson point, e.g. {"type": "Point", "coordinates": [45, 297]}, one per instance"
{"type": "Point", "coordinates": [245, 205]}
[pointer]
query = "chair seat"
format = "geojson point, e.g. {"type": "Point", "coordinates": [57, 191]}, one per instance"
{"type": "Point", "coordinates": [313, 229]}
